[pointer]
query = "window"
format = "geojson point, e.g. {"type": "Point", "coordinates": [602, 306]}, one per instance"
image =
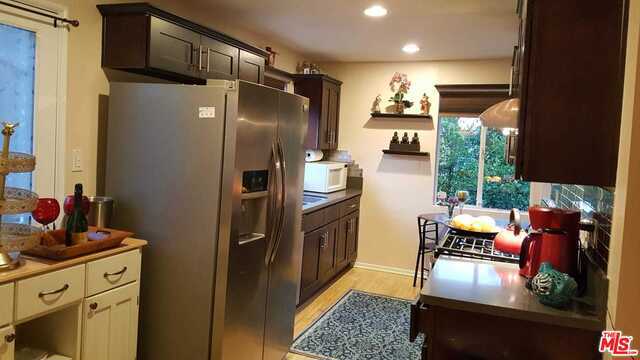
{"type": "Point", "coordinates": [32, 90]}
{"type": "Point", "coordinates": [471, 157]}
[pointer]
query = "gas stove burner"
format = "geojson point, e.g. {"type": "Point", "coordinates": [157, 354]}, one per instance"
{"type": "Point", "coordinates": [455, 244]}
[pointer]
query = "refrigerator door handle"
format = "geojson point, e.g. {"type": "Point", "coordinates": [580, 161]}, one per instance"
{"type": "Point", "coordinates": [283, 199]}
{"type": "Point", "coordinates": [274, 213]}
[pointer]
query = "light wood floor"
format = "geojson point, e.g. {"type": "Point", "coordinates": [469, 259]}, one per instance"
{"type": "Point", "coordinates": [359, 279]}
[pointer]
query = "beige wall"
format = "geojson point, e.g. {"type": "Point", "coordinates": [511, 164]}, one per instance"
{"type": "Point", "coordinates": [624, 267]}
{"type": "Point", "coordinates": [87, 81]}
{"type": "Point", "coordinates": [397, 189]}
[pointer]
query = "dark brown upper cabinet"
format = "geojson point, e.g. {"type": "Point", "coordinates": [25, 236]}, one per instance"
{"type": "Point", "coordinates": [143, 39]}
{"type": "Point", "coordinates": [173, 48]}
{"type": "Point", "coordinates": [220, 59]}
{"type": "Point", "coordinates": [570, 67]}
{"type": "Point", "coordinates": [252, 67]}
{"type": "Point", "coordinates": [276, 78]}
{"type": "Point", "coordinates": [324, 109]}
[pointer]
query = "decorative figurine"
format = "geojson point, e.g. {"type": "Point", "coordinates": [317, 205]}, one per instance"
{"type": "Point", "coordinates": [271, 59]}
{"type": "Point", "coordinates": [404, 145]}
{"type": "Point", "coordinates": [375, 108]}
{"type": "Point", "coordinates": [553, 288]}
{"type": "Point", "coordinates": [405, 138]}
{"type": "Point", "coordinates": [306, 68]}
{"type": "Point", "coordinates": [425, 105]}
{"type": "Point", "coordinates": [415, 140]}
{"type": "Point", "coordinates": [395, 139]}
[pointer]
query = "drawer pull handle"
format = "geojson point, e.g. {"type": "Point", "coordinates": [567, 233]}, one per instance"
{"type": "Point", "coordinates": [124, 269]}
{"type": "Point", "coordinates": [10, 338]}
{"type": "Point", "coordinates": [62, 289]}
{"type": "Point", "coordinates": [352, 206]}
{"type": "Point", "coordinates": [93, 306]}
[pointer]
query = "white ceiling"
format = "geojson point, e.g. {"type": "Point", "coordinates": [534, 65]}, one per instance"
{"type": "Point", "coordinates": [337, 30]}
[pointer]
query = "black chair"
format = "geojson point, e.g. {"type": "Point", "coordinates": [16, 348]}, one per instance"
{"type": "Point", "coordinates": [428, 231]}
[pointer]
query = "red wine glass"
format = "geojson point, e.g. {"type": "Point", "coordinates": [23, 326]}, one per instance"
{"type": "Point", "coordinates": [46, 212]}
{"type": "Point", "coordinates": [68, 205]}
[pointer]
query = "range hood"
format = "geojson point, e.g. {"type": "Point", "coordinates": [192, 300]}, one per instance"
{"type": "Point", "coordinates": [504, 115]}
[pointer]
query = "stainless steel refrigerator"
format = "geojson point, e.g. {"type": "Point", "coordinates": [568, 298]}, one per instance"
{"type": "Point", "coordinates": [212, 176]}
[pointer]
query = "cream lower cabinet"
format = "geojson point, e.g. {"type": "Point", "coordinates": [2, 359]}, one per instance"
{"type": "Point", "coordinates": [7, 342]}
{"type": "Point", "coordinates": [85, 311]}
{"type": "Point", "coordinates": [110, 324]}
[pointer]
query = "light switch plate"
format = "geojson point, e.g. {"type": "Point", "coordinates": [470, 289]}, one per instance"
{"type": "Point", "coordinates": [76, 161]}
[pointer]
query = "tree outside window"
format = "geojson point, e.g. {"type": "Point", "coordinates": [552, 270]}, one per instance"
{"type": "Point", "coordinates": [471, 157]}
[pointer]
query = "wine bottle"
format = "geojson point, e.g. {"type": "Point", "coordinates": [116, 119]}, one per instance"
{"type": "Point", "coordinates": [77, 225]}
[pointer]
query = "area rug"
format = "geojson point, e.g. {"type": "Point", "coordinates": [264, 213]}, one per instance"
{"type": "Point", "coordinates": [361, 326]}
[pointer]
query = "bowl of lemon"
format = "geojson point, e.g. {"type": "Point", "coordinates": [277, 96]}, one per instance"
{"type": "Point", "coordinates": [483, 225]}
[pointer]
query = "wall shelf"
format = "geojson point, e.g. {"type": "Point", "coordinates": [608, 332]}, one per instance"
{"type": "Point", "coordinates": [401, 116]}
{"type": "Point", "coordinates": [401, 152]}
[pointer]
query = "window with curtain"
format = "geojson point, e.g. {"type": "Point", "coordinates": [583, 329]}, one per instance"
{"type": "Point", "coordinates": [17, 71]}
{"type": "Point", "coordinates": [31, 94]}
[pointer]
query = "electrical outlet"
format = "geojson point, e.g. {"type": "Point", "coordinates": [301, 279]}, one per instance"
{"type": "Point", "coordinates": [76, 161]}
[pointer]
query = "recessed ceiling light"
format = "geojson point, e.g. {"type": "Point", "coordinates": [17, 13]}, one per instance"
{"type": "Point", "coordinates": [411, 48]}
{"type": "Point", "coordinates": [375, 11]}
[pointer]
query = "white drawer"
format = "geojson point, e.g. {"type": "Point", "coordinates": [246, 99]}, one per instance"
{"type": "Point", "coordinates": [47, 292]}
{"type": "Point", "coordinates": [6, 304]}
{"type": "Point", "coordinates": [111, 272]}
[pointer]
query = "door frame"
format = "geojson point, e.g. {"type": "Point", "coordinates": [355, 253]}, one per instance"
{"type": "Point", "coordinates": [22, 18]}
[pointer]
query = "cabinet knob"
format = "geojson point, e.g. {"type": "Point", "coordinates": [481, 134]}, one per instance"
{"type": "Point", "coordinates": [10, 338]}
{"type": "Point", "coordinates": [93, 306]}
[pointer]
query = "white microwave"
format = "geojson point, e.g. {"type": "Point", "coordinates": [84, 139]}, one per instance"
{"type": "Point", "coordinates": [325, 176]}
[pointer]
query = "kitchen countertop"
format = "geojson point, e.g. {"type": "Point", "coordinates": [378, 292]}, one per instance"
{"type": "Point", "coordinates": [35, 266]}
{"type": "Point", "coordinates": [497, 289]}
{"type": "Point", "coordinates": [330, 199]}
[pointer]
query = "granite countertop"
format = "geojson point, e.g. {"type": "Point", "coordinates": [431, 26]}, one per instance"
{"type": "Point", "coordinates": [329, 199]}
{"type": "Point", "coordinates": [497, 289]}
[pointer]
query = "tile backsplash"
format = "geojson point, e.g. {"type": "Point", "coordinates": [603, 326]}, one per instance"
{"type": "Point", "coordinates": [595, 203]}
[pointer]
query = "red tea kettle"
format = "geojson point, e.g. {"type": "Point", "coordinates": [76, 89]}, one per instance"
{"type": "Point", "coordinates": [510, 239]}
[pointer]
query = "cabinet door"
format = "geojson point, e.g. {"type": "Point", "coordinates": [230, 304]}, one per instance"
{"type": "Point", "coordinates": [334, 111]}
{"type": "Point", "coordinates": [342, 254]}
{"type": "Point", "coordinates": [353, 222]}
{"type": "Point", "coordinates": [251, 67]}
{"type": "Point", "coordinates": [324, 128]}
{"type": "Point", "coordinates": [569, 128]}
{"type": "Point", "coordinates": [220, 60]}
{"type": "Point", "coordinates": [110, 324]}
{"type": "Point", "coordinates": [173, 48]}
{"type": "Point", "coordinates": [7, 343]}
{"type": "Point", "coordinates": [329, 115]}
{"type": "Point", "coordinates": [327, 251]}
{"type": "Point", "coordinates": [310, 261]}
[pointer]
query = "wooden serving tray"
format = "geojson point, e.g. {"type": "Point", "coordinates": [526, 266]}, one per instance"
{"type": "Point", "coordinates": [52, 245]}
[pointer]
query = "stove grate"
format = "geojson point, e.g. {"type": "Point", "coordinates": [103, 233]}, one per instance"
{"type": "Point", "coordinates": [467, 246]}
